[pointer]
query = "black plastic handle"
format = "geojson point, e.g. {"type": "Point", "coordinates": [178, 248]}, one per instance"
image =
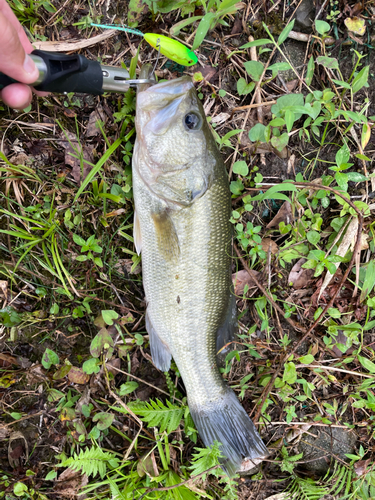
{"type": "Point", "coordinates": [64, 73]}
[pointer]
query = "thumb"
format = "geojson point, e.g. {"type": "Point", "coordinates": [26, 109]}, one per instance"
{"type": "Point", "coordinates": [14, 61]}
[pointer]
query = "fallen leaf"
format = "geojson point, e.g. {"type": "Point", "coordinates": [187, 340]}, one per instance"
{"type": "Point", "coordinates": [123, 265]}
{"type": "Point", "coordinates": [147, 465]}
{"type": "Point", "coordinates": [69, 113]}
{"type": "Point", "coordinates": [241, 279]}
{"type": "Point", "coordinates": [283, 215]}
{"type": "Point", "coordinates": [361, 467]}
{"type": "Point", "coordinates": [356, 25]}
{"type": "Point", "coordinates": [73, 149]}
{"type": "Point", "coordinates": [119, 211]}
{"type": "Point", "coordinates": [78, 376]}
{"type": "Point", "coordinates": [17, 447]}
{"type": "Point", "coordinates": [95, 116]}
{"type": "Point", "coordinates": [299, 277]}
{"type": "Point", "coordinates": [363, 244]}
{"type": "Point", "coordinates": [220, 118]}
{"type": "Point", "coordinates": [208, 72]}
{"type": "Point", "coordinates": [292, 85]}
{"type": "Point", "coordinates": [70, 483]}
{"type": "Point", "coordinates": [269, 243]}
{"type": "Point", "coordinates": [113, 366]}
{"type": "Point", "coordinates": [341, 251]}
{"type": "Point", "coordinates": [7, 360]}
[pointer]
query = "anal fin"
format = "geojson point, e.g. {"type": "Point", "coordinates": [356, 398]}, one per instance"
{"type": "Point", "coordinates": [226, 334]}
{"type": "Point", "coordinates": [159, 351]}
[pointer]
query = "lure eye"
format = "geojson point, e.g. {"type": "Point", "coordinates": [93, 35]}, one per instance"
{"type": "Point", "coordinates": [192, 121]}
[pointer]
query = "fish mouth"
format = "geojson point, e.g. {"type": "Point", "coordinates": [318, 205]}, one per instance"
{"type": "Point", "coordinates": [161, 102]}
{"type": "Point", "coordinates": [172, 88]}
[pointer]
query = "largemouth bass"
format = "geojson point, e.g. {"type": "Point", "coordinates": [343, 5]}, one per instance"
{"type": "Point", "coordinates": [182, 228]}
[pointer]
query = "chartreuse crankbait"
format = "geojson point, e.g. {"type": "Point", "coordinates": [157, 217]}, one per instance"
{"type": "Point", "coordinates": [173, 49]}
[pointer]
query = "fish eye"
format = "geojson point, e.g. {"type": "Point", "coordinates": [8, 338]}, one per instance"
{"type": "Point", "coordinates": [192, 121]}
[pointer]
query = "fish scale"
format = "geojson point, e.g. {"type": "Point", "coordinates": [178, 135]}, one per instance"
{"type": "Point", "coordinates": [182, 228]}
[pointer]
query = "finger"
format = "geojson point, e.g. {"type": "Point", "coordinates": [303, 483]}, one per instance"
{"type": "Point", "coordinates": [14, 61]}
{"type": "Point", "coordinates": [16, 96]}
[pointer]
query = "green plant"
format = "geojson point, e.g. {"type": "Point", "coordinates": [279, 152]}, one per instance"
{"type": "Point", "coordinates": [215, 11]}
{"type": "Point", "coordinates": [40, 233]}
{"type": "Point", "coordinates": [27, 10]}
{"type": "Point", "coordinates": [90, 246]}
{"type": "Point", "coordinates": [92, 461]}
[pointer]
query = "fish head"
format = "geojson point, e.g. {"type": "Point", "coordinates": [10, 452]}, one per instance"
{"type": "Point", "coordinates": [173, 154]}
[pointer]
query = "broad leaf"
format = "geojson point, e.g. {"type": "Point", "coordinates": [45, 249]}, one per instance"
{"type": "Point", "coordinates": [328, 62]}
{"type": "Point", "coordinates": [360, 80]}
{"type": "Point", "coordinates": [241, 168]}
{"type": "Point", "coordinates": [322, 27]}
{"type": "Point", "coordinates": [254, 69]}
{"type": "Point", "coordinates": [256, 133]}
{"type": "Point", "coordinates": [284, 34]}
{"type": "Point", "coordinates": [244, 88]}
{"type": "Point", "coordinates": [310, 71]}
{"type": "Point", "coordinates": [280, 142]}
{"type": "Point", "coordinates": [369, 281]}
{"type": "Point", "coordinates": [256, 43]}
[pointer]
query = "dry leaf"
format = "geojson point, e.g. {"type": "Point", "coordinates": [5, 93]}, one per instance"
{"type": "Point", "coordinates": [17, 447]}
{"type": "Point", "coordinates": [283, 215]}
{"type": "Point", "coordinates": [269, 243]}
{"type": "Point", "coordinates": [363, 245]}
{"type": "Point", "coordinates": [356, 25]}
{"type": "Point", "coordinates": [95, 116]}
{"type": "Point", "coordinates": [73, 149]}
{"type": "Point", "coordinates": [74, 45]}
{"type": "Point", "coordinates": [70, 483]}
{"type": "Point", "coordinates": [220, 118]}
{"type": "Point", "coordinates": [351, 233]}
{"type": "Point", "coordinates": [292, 85]}
{"type": "Point", "coordinates": [241, 279]}
{"type": "Point", "coordinates": [78, 376]}
{"type": "Point", "coordinates": [7, 360]}
{"type": "Point", "coordinates": [299, 276]}
{"type": "Point", "coordinates": [208, 72]}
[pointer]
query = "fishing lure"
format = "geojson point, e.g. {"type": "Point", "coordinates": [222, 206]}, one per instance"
{"type": "Point", "coordinates": [173, 49]}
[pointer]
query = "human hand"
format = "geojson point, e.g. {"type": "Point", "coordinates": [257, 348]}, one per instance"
{"type": "Point", "coordinates": [14, 61]}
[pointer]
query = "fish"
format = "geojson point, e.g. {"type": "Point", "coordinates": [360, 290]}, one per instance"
{"type": "Point", "coordinates": [182, 229]}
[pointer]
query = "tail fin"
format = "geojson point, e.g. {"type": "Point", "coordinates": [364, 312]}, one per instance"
{"type": "Point", "coordinates": [227, 422]}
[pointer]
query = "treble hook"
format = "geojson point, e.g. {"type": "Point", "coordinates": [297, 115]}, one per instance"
{"type": "Point", "coordinates": [158, 47]}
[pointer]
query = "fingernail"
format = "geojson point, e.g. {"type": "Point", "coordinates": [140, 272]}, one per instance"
{"type": "Point", "coordinates": [29, 65]}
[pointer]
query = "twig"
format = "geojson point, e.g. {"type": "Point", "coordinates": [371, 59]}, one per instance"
{"type": "Point", "coordinates": [143, 382]}
{"type": "Point", "coordinates": [255, 105]}
{"type": "Point", "coordinates": [334, 369]}
{"type": "Point", "coordinates": [121, 403]}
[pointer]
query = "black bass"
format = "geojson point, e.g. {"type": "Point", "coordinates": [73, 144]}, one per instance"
{"type": "Point", "coordinates": [181, 225]}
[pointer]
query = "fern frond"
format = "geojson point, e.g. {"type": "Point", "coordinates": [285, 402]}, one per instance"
{"type": "Point", "coordinates": [91, 462]}
{"type": "Point", "coordinates": [336, 482]}
{"type": "Point", "coordinates": [205, 459]}
{"type": "Point", "coordinates": [306, 489]}
{"type": "Point", "coordinates": [156, 414]}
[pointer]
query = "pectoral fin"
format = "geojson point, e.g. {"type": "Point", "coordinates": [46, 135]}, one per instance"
{"type": "Point", "coordinates": [159, 351]}
{"type": "Point", "coordinates": [166, 235]}
{"type": "Point", "coordinates": [137, 234]}
{"type": "Point", "coordinates": [227, 332]}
